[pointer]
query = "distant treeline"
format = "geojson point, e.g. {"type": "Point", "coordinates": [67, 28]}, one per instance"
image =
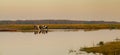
{"type": "Point", "coordinates": [56, 22]}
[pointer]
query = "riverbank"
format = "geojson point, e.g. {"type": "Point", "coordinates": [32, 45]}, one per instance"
{"type": "Point", "coordinates": [109, 48]}
{"type": "Point", "coordinates": [26, 27]}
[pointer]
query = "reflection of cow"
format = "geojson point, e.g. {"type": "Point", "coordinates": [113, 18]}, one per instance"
{"type": "Point", "coordinates": [41, 32]}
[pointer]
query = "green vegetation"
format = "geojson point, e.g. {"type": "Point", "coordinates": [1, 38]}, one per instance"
{"type": "Point", "coordinates": [24, 27]}
{"type": "Point", "coordinates": [109, 48]}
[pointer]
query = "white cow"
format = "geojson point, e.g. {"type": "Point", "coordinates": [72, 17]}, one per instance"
{"type": "Point", "coordinates": [36, 27]}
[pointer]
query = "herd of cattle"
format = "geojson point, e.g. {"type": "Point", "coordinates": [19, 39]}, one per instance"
{"type": "Point", "coordinates": [42, 27]}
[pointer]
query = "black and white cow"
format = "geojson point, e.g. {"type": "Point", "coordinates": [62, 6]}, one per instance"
{"type": "Point", "coordinates": [37, 27]}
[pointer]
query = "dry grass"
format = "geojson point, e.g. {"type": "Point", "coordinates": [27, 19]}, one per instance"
{"type": "Point", "coordinates": [109, 48]}
{"type": "Point", "coordinates": [61, 26]}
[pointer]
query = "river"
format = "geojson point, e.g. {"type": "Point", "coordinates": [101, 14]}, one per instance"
{"type": "Point", "coordinates": [54, 42]}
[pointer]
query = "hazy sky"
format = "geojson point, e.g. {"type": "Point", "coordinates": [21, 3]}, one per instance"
{"type": "Point", "coordinates": [60, 9]}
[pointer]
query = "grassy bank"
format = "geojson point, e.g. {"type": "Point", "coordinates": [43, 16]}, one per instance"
{"type": "Point", "coordinates": [61, 26]}
{"type": "Point", "coordinates": [109, 48]}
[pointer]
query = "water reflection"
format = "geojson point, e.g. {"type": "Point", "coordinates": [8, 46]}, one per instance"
{"type": "Point", "coordinates": [41, 32]}
{"type": "Point", "coordinates": [45, 31]}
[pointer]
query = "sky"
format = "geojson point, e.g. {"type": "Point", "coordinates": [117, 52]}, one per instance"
{"type": "Point", "coordinates": [103, 10]}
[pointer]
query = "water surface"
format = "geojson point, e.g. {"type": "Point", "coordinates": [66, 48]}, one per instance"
{"type": "Point", "coordinates": [56, 42]}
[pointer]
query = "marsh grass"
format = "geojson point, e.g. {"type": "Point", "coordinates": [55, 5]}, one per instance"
{"type": "Point", "coordinates": [109, 48]}
{"type": "Point", "coordinates": [61, 26]}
